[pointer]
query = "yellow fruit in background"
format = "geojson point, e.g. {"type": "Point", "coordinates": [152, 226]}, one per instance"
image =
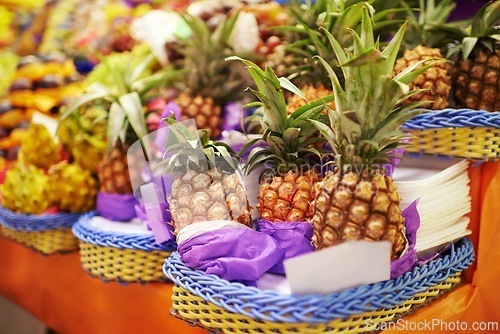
{"type": "Point", "coordinates": [39, 147]}
{"type": "Point", "coordinates": [74, 188]}
{"type": "Point", "coordinates": [26, 189]}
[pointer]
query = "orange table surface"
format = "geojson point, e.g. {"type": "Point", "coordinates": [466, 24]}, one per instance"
{"type": "Point", "coordinates": [58, 292]}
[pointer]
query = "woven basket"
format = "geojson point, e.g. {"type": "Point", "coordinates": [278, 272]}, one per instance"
{"type": "Point", "coordinates": [462, 133]}
{"type": "Point", "coordinates": [125, 258]}
{"type": "Point", "coordinates": [46, 234]}
{"type": "Point", "coordinates": [221, 306]}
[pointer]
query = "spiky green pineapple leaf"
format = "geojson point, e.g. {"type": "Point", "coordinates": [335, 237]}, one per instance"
{"type": "Point", "coordinates": [132, 106]}
{"type": "Point", "coordinates": [116, 120]}
{"type": "Point", "coordinates": [288, 85]}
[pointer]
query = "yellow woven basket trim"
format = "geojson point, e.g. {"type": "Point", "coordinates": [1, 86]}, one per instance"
{"type": "Point", "coordinates": [477, 143]}
{"type": "Point", "coordinates": [46, 242]}
{"type": "Point", "coordinates": [196, 310]}
{"type": "Point", "coordinates": [125, 265]}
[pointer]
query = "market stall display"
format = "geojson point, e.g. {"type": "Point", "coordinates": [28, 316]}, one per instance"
{"type": "Point", "coordinates": [285, 167]}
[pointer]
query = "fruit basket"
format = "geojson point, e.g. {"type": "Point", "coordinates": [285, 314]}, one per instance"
{"type": "Point", "coordinates": [221, 306]}
{"type": "Point", "coordinates": [122, 256]}
{"type": "Point", "coordinates": [47, 234]}
{"type": "Point", "coordinates": [463, 133]}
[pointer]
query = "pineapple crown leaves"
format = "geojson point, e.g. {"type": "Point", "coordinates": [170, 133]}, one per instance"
{"type": "Point", "coordinates": [195, 150]}
{"type": "Point", "coordinates": [482, 33]}
{"type": "Point", "coordinates": [205, 71]}
{"type": "Point", "coordinates": [288, 137]}
{"type": "Point", "coordinates": [333, 16]}
{"type": "Point", "coordinates": [132, 80]}
{"type": "Point", "coordinates": [424, 28]}
{"type": "Point", "coordinates": [365, 124]}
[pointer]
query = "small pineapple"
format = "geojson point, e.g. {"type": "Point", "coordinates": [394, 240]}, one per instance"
{"type": "Point", "coordinates": [38, 147]}
{"type": "Point", "coordinates": [358, 201]}
{"type": "Point", "coordinates": [27, 189]}
{"type": "Point", "coordinates": [288, 183]}
{"type": "Point", "coordinates": [74, 188]}
{"type": "Point", "coordinates": [125, 81]}
{"type": "Point", "coordinates": [113, 171]}
{"type": "Point", "coordinates": [209, 81]}
{"type": "Point", "coordinates": [422, 42]}
{"type": "Point", "coordinates": [476, 80]}
{"type": "Point", "coordinates": [207, 185]}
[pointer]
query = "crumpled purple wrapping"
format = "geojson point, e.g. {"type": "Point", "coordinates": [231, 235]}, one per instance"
{"type": "Point", "coordinates": [234, 254]}
{"type": "Point", "coordinates": [293, 237]}
{"type": "Point", "coordinates": [396, 155]}
{"type": "Point", "coordinates": [408, 260]}
{"type": "Point", "coordinates": [116, 207]}
{"type": "Point", "coordinates": [156, 216]}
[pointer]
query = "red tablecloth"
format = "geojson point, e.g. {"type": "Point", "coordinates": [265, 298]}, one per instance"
{"type": "Point", "coordinates": [57, 291]}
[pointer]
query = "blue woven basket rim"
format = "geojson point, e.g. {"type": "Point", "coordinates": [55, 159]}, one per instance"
{"type": "Point", "coordinates": [86, 233]}
{"type": "Point", "coordinates": [36, 223]}
{"type": "Point", "coordinates": [314, 308]}
{"type": "Point", "coordinates": [454, 118]}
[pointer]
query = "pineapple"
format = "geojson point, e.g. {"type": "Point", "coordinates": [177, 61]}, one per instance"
{"type": "Point", "coordinates": [207, 185]}
{"type": "Point", "coordinates": [357, 200]}
{"type": "Point", "coordinates": [476, 81]}
{"type": "Point", "coordinates": [420, 43]}
{"type": "Point", "coordinates": [311, 93]}
{"type": "Point", "coordinates": [38, 147]}
{"type": "Point", "coordinates": [209, 81]}
{"type": "Point", "coordinates": [113, 171]}
{"type": "Point", "coordinates": [130, 83]}
{"type": "Point", "coordinates": [27, 189]}
{"type": "Point", "coordinates": [288, 182]}
{"type": "Point", "coordinates": [74, 189]}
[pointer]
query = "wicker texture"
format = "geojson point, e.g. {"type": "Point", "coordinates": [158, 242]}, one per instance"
{"type": "Point", "coordinates": [46, 242]}
{"type": "Point", "coordinates": [463, 133]}
{"type": "Point", "coordinates": [47, 234]}
{"type": "Point", "coordinates": [86, 233]}
{"type": "Point", "coordinates": [33, 223]}
{"type": "Point", "coordinates": [197, 311]}
{"type": "Point", "coordinates": [122, 265]}
{"type": "Point", "coordinates": [270, 307]}
{"type": "Point", "coordinates": [127, 258]}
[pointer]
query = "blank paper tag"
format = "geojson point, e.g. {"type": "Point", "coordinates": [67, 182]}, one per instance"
{"type": "Point", "coordinates": [340, 267]}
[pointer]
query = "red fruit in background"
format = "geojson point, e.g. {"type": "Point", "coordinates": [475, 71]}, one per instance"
{"type": "Point", "coordinates": [156, 104]}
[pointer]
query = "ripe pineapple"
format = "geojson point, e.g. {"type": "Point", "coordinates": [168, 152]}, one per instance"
{"type": "Point", "coordinates": [125, 80]}
{"type": "Point", "coordinates": [27, 189]}
{"type": "Point", "coordinates": [311, 93]}
{"type": "Point", "coordinates": [206, 183]}
{"type": "Point", "coordinates": [209, 80]}
{"type": "Point", "coordinates": [113, 172]}
{"type": "Point", "coordinates": [74, 188]}
{"type": "Point", "coordinates": [476, 80]}
{"type": "Point", "coordinates": [287, 186]}
{"type": "Point", "coordinates": [38, 147]}
{"type": "Point", "coordinates": [420, 44]}
{"type": "Point", "coordinates": [358, 200]}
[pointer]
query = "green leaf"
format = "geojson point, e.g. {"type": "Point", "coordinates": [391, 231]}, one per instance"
{"type": "Point", "coordinates": [392, 49]}
{"type": "Point", "coordinates": [468, 45]}
{"type": "Point", "coordinates": [290, 137]}
{"type": "Point", "coordinates": [132, 106]}
{"type": "Point", "coordinates": [139, 70]}
{"type": "Point", "coordinates": [288, 85]}
{"type": "Point", "coordinates": [78, 102]}
{"type": "Point", "coordinates": [116, 122]}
